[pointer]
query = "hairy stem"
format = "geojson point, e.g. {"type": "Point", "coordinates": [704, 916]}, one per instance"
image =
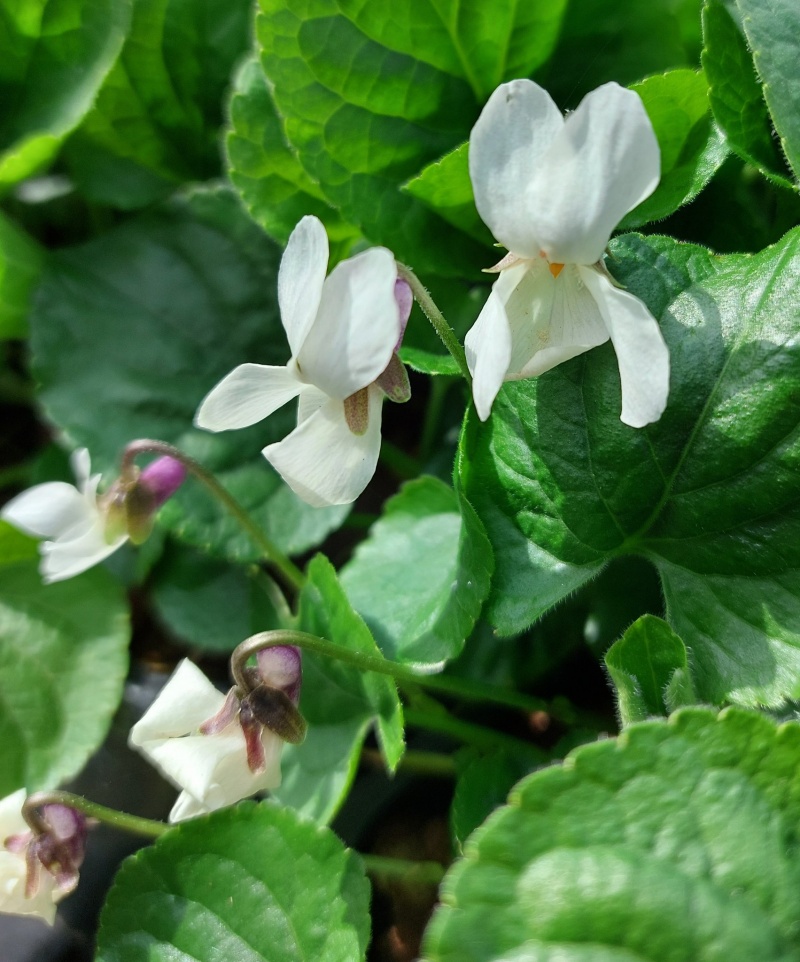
{"type": "Point", "coordinates": [428, 873]}
{"type": "Point", "coordinates": [110, 816]}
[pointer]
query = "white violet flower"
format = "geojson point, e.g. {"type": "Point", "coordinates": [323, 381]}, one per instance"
{"type": "Point", "coordinates": [343, 332]}
{"type": "Point", "coordinates": [82, 528]}
{"type": "Point", "coordinates": [217, 748]}
{"type": "Point", "coordinates": [552, 189]}
{"type": "Point", "coordinates": [25, 889]}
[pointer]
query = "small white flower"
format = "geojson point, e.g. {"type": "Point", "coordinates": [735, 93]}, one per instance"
{"type": "Point", "coordinates": [215, 769]}
{"type": "Point", "coordinates": [552, 189]}
{"type": "Point", "coordinates": [342, 331]}
{"type": "Point", "coordinates": [70, 518]}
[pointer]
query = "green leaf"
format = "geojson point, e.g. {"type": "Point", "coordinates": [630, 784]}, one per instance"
{"type": "Point", "coordinates": [692, 147]}
{"type": "Point", "coordinates": [340, 704]}
{"type": "Point", "coordinates": [420, 579]}
{"type": "Point", "coordinates": [63, 661]}
{"type": "Point", "coordinates": [55, 56]}
{"type": "Point", "coordinates": [677, 840]}
{"type": "Point", "coordinates": [427, 362]}
{"type": "Point", "coordinates": [773, 31]}
{"type": "Point", "coordinates": [20, 266]}
{"type": "Point", "coordinates": [650, 670]}
{"type": "Point", "coordinates": [263, 168]}
{"type": "Point", "coordinates": [706, 493]}
{"type": "Point", "coordinates": [735, 93]}
{"type": "Point", "coordinates": [154, 313]}
{"type": "Point", "coordinates": [209, 604]}
{"type": "Point", "coordinates": [252, 883]}
{"type": "Point", "coordinates": [155, 123]}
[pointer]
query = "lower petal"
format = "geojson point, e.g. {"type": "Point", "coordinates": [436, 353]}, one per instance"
{"type": "Point", "coordinates": [642, 354]}
{"type": "Point", "coordinates": [248, 394]}
{"type": "Point", "coordinates": [488, 349]}
{"type": "Point", "coordinates": [71, 556]}
{"type": "Point", "coordinates": [322, 461]}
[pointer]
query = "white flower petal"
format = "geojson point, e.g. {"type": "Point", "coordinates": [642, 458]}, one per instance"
{"type": "Point", "coordinates": [357, 325]}
{"type": "Point", "coordinates": [604, 162]}
{"type": "Point", "coordinates": [71, 556]}
{"type": "Point", "coordinates": [49, 510]}
{"type": "Point", "coordinates": [322, 461]}
{"type": "Point", "coordinates": [14, 870]}
{"type": "Point", "coordinates": [183, 704]}
{"type": "Point", "coordinates": [81, 465]}
{"type": "Point", "coordinates": [248, 394]}
{"type": "Point", "coordinates": [642, 354]}
{"type": "Point", "coordinates": [514, 130]}
{"type": "Point", "coordinates": [11, 820]}
{"type": "Point", "coordinates": [300, 279]}
{"type": "Point", "coordinates": [310, 400]}
{"type": "Point", "coordinates": [488, 349]}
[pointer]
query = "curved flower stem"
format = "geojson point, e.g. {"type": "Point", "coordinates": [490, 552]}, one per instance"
{"type": "Point", "coordinates": [435, 316]}
{"type": "Point", "coordinates": [293, 575]}
{"type": "Point", "coordinates": [429, 873]}
{"type": "Point", "coordinates": [468, 732]}
{"type": "Point", "coordinates": [128, 823]}
{"type": "Point", "coordinates": [434, 764]}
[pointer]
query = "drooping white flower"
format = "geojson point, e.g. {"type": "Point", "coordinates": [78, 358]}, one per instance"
{"type": "Point", "coordinates": [552, 189]}
{"type": "Point", "coordinates": [201, 741]}
{"type": "Point", "coordinates": [343, 331]}
{"type": "Point", "coordinates": [37, 871]}
{"type": "Point", "coordinates": [82, 528]}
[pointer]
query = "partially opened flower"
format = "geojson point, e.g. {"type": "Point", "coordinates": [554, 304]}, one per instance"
{"type": "Point", "coordinates": [552, 189]}
{"type": "Point", "coordinates": [38, 870]}
{"type": "Point", "coordinates": [343, 332]}
{"type": "Point", "coordinates": [217, 748]}
{"type": "Point", "coordinates": [82, 527]}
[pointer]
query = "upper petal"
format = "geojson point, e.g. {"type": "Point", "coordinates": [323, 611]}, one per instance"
{"type": "Point", "coordinates": [488, 349]}
{"type": "Point", "coordinates": [357, 325]}
{"type": "Point", "coordinates": [183, 704]}
{"type": "Point", "coordinates": [322, 461]}
{"type": "Point", "coordinates": [248, 394]}
{"type": "Point", "coordinates": [49, 510]}
{"type": "Point", "coordinates": [514, 130]}
{"type": "Point", "coordinates": [642, 353]}
{"type": "Point", "coordinates": [300, 279]}
{"type": "Point", "coordinates": [604, 162]}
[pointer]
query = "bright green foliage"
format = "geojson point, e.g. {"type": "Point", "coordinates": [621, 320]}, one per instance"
{"type": "Point", "coordinates": [264, 169]}
{"type": "Point", "coordinates": [188, 292]}
{"type": "Point", "coordinates": [20, 266]}
{"type": "Point", "coordinates": [420, 579]}
{"type": "Point", "coordinates": [773, 31]}
{"type": "Point", "coordinates": [207, 603]}
{"type": "Point", "coordinates": [707, 493]}
{"type": "Point", "coordinates": [63, 661]}
{"type": "Point", "coordinates": [428, 362]}
{"type": "Point", "coordinates": [252, 883]}
{"type": "Point", "coordinates": [156, 121]}
{"type": "Point", "coordinates": [650, 670]}
{"type": "Point", "coordinates": [677, 840]}
{"type": "Point", "coordinates": [735, 93]}
{"type": "Point", "coordinates": [339, 703]}
{"type": "Point", "coordinates": [54, 55]}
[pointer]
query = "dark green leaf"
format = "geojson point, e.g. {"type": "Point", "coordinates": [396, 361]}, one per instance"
{"type": "Point", "coordinates": [20, 266]}
{"type": "Point", "coordinates": [252, 883]}
{"type": "Point", "coordinates": [339, 703]}
{"type": "Point", "coordinates": [420, 579]}
{"type": "Point", "coordinates": [63, 661]}
{"type": "Point", "coordinates": [55, 56]}
{"type": "Point", "coordinates": [130, 331]}
{"type": "Point", "coordinates": [650, 670]}
{"type": "Point", "coordinates": [677, 840]}
{"type": "Point", "coordinates": [707, 493]}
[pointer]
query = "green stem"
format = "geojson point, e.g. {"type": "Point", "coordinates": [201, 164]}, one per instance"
{"type": "Point", "coordinates": [429, 873]}
{"type": "Point", "coordinates": [128, 823]}
{"type": "Point", "coordinates": [467, 732]}
{"type": "Point", "coordinates": [435, 316]}
{"type": "Point", "coordinates": [293, 575]}
{"type": "Point", "coordinates": [420, 763]}
{"type": "Point", "coordinates": [276, 597]}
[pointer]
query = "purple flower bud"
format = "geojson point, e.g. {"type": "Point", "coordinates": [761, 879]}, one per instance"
{"type": "Point", "coordinates": [162, 478]}
{"type": "Point", "coordinates": [405, 301]}
{"type": "Point", "coordinates": [281, 667]}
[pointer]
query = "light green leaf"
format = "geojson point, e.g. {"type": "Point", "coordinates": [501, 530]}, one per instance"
{"type": "Point", "coordinates": [63, 661]}
{"type": "Point", "coordinates": [677, 840]}
{"type": "Point", "coordinates": [54, 56]}
{"type": "Point", "coordinates": [735, 93]}
{"type": "Point", "coordinates": [20, 266]}
{"type": "Point", "coordinates": [154, 314]}
{"type": "Point", "coordinates": [420, 579]}
{"type": "Point", "coordinates": [650, 670]}
{"type": "Point", "coordinates": [707, 493]}
{"type": "Point", "coordinates": [339, 703]}
{"type": "Point", "coordinates": [773, 31]}
{"type": "Point", "coordinates": [427, 362]}
{"type": "Point", "coordinates": [253, 883]}
{"type": "Point", "coordinates": [263, 168]}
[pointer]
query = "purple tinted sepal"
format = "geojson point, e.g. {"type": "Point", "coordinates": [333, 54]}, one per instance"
{"type": "Point", "coordinates": [59, 849]}
{"type": "Point", "coordinates": [281, 667]}
{"type": "Point", "coordinates": [162, 478]}
{"type": "Point", "coordinates": [405, 301]}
